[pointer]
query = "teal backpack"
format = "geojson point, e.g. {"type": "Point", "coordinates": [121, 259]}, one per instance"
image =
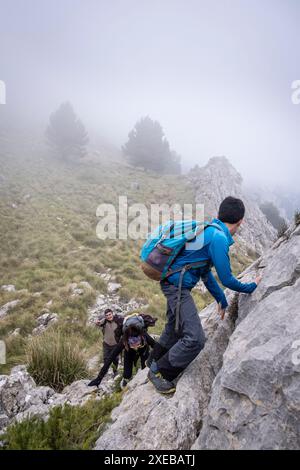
{"type": "Point", "coordinates": [164, 245]}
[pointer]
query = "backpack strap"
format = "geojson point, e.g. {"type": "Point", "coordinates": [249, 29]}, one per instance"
{"type": "Point", "coordinates": [184, 269]}
{"type": "Point", "coordinates": [198, 264]}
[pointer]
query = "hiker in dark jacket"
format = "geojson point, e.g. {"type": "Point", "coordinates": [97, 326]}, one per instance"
{"type": "Point", "coordinates": [135, 342]}
{"type": "Point", "coordinates": [110, 325]}
{"type": "Point", "coordinates": [174, 351]}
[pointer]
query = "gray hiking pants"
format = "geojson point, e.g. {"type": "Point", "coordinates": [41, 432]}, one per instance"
{"type": "Point", "coordinates": [176, 351]}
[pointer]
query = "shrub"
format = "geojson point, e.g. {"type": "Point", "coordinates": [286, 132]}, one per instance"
{"type": "Point", "coordinates": [282, 229]}
{"type": "Point", "coordinates": [67, 428]}
{"type": "Point", "coordinates": [55, 359]}
{"type": "Point", "coordinates": [297, 217]}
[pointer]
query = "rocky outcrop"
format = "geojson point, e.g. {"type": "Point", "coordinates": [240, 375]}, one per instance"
{"type": "Point", "coordinates": [242, 391]}
{"type": "Point", "coordinates": [20, 397]}
{"type": "Point", "coordinates": [255, 401]}
{"type": "Point", "coordinates": [113, 301]}
{"type": "Point", "coordinates": [219, 179]}
{"type": "Point", "coordinates": [77, 289]}
{"type": "Point", "coordinates": [44, 321]}
{"type": "Point", "coordinates": [8, 288]}
{"type": "Point", "coordinates": [5, 309]}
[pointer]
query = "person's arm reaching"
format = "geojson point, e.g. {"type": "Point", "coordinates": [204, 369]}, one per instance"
{"type": "Point", "coordinates": [150, 340]}
{"type": "Point", "coordinates": [214, 289]}
{"type": "Point", "coordinates": [219, 249]}
{"type": "Point", "coordinates": [100, 322]}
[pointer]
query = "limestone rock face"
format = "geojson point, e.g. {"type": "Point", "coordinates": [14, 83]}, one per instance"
{"type": "Point", "coordinates": [21, 398]}
{"type": "Point", "coordinates": [147, 420]}
{"type": "Point", "coordinates": [219, 179]}
{"type": "Point", "coordinates": [255, 400]}
{"type": "Point", "coordinates": [243, 390]}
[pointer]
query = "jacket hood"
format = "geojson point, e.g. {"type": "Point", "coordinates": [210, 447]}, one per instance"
{"type": "Point", "coordinates": [225, 230]}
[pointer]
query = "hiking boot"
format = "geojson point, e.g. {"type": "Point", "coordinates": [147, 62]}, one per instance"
{"type": "Point", "coordinates": [123, 384]}
{"type": "Point", "coordinates": [95, 383]}
{"type": "Point", "coordinates": [162, 385]}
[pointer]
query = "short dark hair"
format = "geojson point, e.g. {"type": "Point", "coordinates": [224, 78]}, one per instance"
{"type": "Point", "coordinates": [108, 310]}
{"type": "Point", "coordinates": [231, 210]}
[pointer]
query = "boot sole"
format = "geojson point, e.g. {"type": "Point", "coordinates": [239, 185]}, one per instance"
{"type": "Point", "coordinates": [166, 392]}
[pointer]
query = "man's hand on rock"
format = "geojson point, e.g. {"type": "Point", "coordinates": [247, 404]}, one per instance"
{"type": "Point", "coordinates": [221, 311]}
{"type": "Point", "coordinates": [258, 279]}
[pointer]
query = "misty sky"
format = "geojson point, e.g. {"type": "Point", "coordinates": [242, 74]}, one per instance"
{"type": "Point", "coordinates": [216, 74]}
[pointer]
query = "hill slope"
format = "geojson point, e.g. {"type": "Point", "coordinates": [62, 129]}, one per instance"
{"type": "Point", "coordinates": [51, 256]}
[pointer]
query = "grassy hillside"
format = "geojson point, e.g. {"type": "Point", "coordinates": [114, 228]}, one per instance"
{"type": "Point", "coordinates": [48, 241]}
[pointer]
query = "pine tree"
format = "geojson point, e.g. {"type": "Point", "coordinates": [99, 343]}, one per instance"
{"type": "Point", "coordinates": [66, 134]}
{"type": "Point", "coordinates": [148, 147]}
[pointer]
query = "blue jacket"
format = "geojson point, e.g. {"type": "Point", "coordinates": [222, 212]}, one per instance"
{"type": "Point", "coordinates": [212, 245]}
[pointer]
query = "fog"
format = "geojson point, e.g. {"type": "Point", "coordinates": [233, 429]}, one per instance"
{"type": "Point", "coordinates": [216, 74]}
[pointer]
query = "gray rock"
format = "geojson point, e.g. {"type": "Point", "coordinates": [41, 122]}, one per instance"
{"type": "Point", "coordinates": [4, 420]}
{"type": "Point", "coordinates": [40, 411]}
{"type": "Point", "coordinates": [37, 294]}
{"type": "Point", "coordinates": [80, 288]}
{"type": "Point", "coordinates": [219, 179]}
{"type": "Point", "coordinates": [21, 398]}
{"type": "Point", "coordinates": [86, 285]}
{"type": "Point", "coordinates": [114, 302]}
{"type": "Point", "coordinates": [75, 394]}
{"type": "Point", "coordinates": [14, 390]}
{"type": "Point", "coordinates": [113, 287]}
{"type": "Point", "coordinates": [8, 288]}
{"type": "Point", "coordinates": [4, 310]}
{"type": "Point", "coordinates": [15, 332]}
{"type": "Point", "coordinates": [255, 400]}
{"type": "Point", "coordinates": [75, 290]}
{"type": "Point", "coordinates": [44, 321]}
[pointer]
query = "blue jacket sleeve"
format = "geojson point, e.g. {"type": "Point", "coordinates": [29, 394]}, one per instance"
{"type": "Point", "coordinates": [215, 290]}
{"type": "Point", "coordinates": [219, 249]}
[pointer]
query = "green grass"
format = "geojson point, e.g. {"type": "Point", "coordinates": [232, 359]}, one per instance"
{"type": "Point", "coordinates": [55, 359]}
{"type": "Point", "coordinates": [68, 427]}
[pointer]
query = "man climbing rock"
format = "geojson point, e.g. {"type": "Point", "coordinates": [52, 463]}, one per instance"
{"type": "Point", "coordinates": [177, 347]}
{"type": "Point", "coordinates": [110, 327]}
